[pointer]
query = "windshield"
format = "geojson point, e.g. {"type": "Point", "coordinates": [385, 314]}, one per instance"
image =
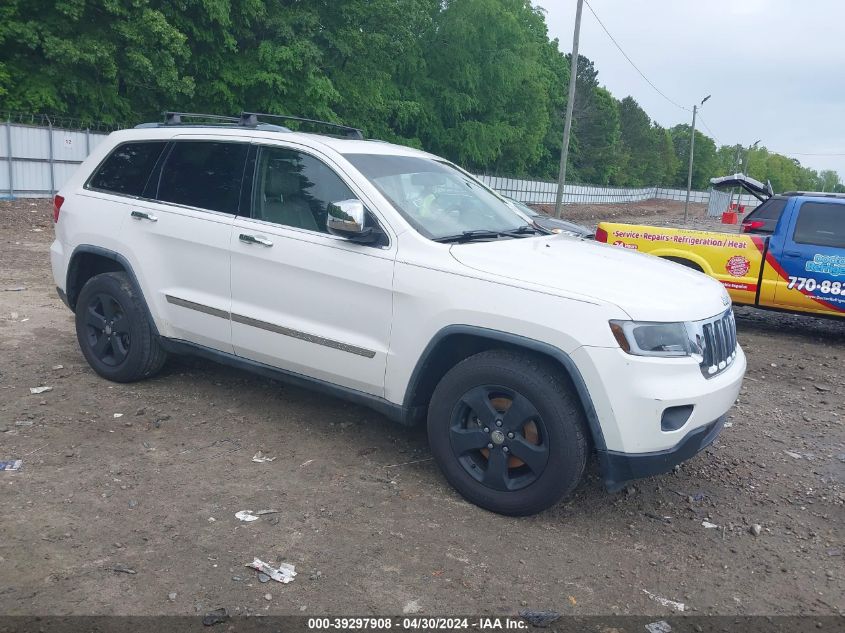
{"type": "Point", "coordinates": [438, 199]}
{"type": "Point", "coordinates": [531, 213]}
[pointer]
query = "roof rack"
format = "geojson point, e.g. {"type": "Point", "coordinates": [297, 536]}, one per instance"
{"type": "Point", "coordinates": [250, 119]}
{"type": "Point", "coordinates": [175, 118]}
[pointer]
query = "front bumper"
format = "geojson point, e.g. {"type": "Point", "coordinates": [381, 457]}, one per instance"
{"type": "Point", "coordinates": [632, 397]}
{"type": "Point", "coordinates": [618, 468]}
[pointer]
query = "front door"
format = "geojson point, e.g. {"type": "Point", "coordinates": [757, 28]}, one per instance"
{"type": "Point", "coordinates": [303, 300]}
{"type": "Point", "coordinates": [812, 259]}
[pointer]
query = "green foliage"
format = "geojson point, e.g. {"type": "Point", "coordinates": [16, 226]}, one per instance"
{"type": "Point", "coordinates": [101, 60]}
{"type": "Point", "coordinates": [477, 81]}
{"type": "Point", "coordinates": [596, 155]}
{"type": "Point", "coordinates": [705, 163]}
{"type": "Point", "coordinates": [646, 149]}
{"type": "Point", "coordinates": [486, 88]}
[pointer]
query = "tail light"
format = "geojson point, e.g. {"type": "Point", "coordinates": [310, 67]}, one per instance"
{"type": "Point", "coordinates": [601, 235]}
{"type": "Point", "coordinates": [747, 227]}
{"type": "Point", "coordinates": [58, 201]}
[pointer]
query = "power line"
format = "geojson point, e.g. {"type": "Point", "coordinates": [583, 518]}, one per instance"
{"type": "Point", "coordinates": [630, 61]}
{"type": "Point", "coordinates": [707, 127]}
{"type": "Point", "coordinates": [812, 153]}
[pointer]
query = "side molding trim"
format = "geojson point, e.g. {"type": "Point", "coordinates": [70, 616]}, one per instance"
{"type": "Point", "coordinates": [272, 327]}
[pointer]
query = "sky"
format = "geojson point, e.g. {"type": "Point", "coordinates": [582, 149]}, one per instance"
{"type": "Point", "coordinates": [775, 68]}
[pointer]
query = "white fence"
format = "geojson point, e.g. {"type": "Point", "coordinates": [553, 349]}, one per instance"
{"type": "Point", "coordinates": [544, 192]}
{"type": "Point", "coordinates": [36, 160]}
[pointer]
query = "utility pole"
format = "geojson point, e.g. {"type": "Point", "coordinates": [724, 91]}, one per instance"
{"type": "Point", "coordinates": [567, 124]}
{"type": "Point", "coordinates": [744, 170]}
{"type": "Point", "coordinates": [691, 150]}
{"type": "Point", "coordinates": [747, 152]}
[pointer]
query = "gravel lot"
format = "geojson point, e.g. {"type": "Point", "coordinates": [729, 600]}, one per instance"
{"type": "Point", "coordinates": [147, 478]}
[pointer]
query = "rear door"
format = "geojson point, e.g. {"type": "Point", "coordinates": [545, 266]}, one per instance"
{"type": "Point", "coordinates": [809, 258]}
{"type": "Point", "coordinates": [180, 235]}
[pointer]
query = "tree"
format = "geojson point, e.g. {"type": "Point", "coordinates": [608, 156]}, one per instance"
{"type": "Point", "coordinates": [669, 163]}
{"type": "Point", "coordinates": [98, 60]}
{"type": "Point", "coordinates": [595, 154]}
{"type": "Point", "coordinates": [486, 87]}
{"type": "Point", "coordinates": [373, 54]}
{"type": "Point", "coordinates": [476, 81]}
{"type": "Point", "coordinates": [640, 160]}
{"type": "Point", "coordinates": [705, 163]}
{"type": "Point", "coordinates": [828, 180]}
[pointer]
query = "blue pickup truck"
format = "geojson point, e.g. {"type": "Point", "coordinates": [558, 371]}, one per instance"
{"type": "Point", "coordinates": [790, 257]}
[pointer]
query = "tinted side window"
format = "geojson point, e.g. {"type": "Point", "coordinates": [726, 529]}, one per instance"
{"type": "Point", "coordinates": [294, 189]}
{"type": "Point", "coordinates": [204, 174]}
{"type": "Point", "coordinates": [821, 224]}
{"type": "Point", "coordinates": [127, 168]}
{"type": "Point", "coordinates": [769, 210]}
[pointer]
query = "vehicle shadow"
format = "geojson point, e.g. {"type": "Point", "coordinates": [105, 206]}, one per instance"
{"type": "Point", "coordinates": [400, 449]}
{"type": "Point", "coordinates": [816, 329]}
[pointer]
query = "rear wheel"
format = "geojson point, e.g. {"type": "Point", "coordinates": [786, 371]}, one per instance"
{"type": "Point", "coordinates": [507, 432]}
{"type": "Point", "coordinates": [113, 329]}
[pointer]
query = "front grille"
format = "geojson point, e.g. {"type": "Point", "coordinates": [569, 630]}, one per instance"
{"type": "Point", "coordinates": [718, 343]}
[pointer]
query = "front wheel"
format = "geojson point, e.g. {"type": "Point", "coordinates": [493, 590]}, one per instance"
{"type": "Point", "coordinates": [113, 330]}
{"type": "Point", "coordinates": [507, 432]}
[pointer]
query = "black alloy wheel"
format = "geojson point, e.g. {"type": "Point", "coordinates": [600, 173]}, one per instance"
{"type": "Point", "coordinates": [107, 329]}
{"type": "Point", "coordinates": [115, 331]}
{"type": "Point", "coordinates": [508, 431]}
{"type": "Point", "coordinates": [499, 437]}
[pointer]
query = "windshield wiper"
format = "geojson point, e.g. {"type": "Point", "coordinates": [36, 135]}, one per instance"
{"type": "Point", "coordinates": [485, 234]}
{"type": "Point", "coordinates": [522, 231]}
{"type": "Point", "coordinates": [468, 236]}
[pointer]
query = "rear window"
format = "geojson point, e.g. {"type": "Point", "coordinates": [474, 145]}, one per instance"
{"type": "Point", "coordinates": [127, 168]}
{"type": "Point", "coordinates": [769, 210]}
{"type": "Point", "coordinates": [821, 224]}
{"type": "Point", "coordinates": [204, 174]}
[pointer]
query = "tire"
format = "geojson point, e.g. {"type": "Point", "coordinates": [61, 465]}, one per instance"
{"type": "Point", "coordinates": [114, 331]}
{"type": "Point", "coordinates": [543, 423]}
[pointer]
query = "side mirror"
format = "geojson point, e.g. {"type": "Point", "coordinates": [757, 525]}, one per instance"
{"type": "Point", "coordinates": [346, 219]}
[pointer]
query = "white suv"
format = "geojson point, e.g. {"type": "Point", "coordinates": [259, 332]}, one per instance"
{"type": "Point", "coordinates": [393, 278]}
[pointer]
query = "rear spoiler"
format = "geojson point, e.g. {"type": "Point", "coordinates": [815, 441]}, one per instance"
{"type": "Point", "coordinates": [754, 187]}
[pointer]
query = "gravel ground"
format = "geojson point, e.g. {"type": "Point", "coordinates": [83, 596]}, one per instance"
{"type": "Point", "coordinates": [127, 497]}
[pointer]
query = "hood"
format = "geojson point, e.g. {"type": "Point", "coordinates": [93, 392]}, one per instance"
{"type": "Point", "coordinates": [645, 287]}
{"type": "Point", "coordinates": [555, 223]}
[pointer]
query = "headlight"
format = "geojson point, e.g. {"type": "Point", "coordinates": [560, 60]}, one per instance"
{"type": "Point", "coordinates": [655, 339]}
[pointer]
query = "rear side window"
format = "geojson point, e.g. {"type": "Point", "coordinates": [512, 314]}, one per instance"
{"type": "Point", "coordinates": [821, 224]}
{"type": "Point", "coordinates": [769, 210]}
{"type": "Point", "coordinates": [127, 168]}
{"type": "Point", "coordinates": [204, 174]}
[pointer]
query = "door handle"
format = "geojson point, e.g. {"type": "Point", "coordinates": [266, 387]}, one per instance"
{"type": "Point", "coordinates": [792, 253]}
{"type": "Point", "coordinates": [143, 215]}
{"type": "Point", "coordinates": [252, 239]}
